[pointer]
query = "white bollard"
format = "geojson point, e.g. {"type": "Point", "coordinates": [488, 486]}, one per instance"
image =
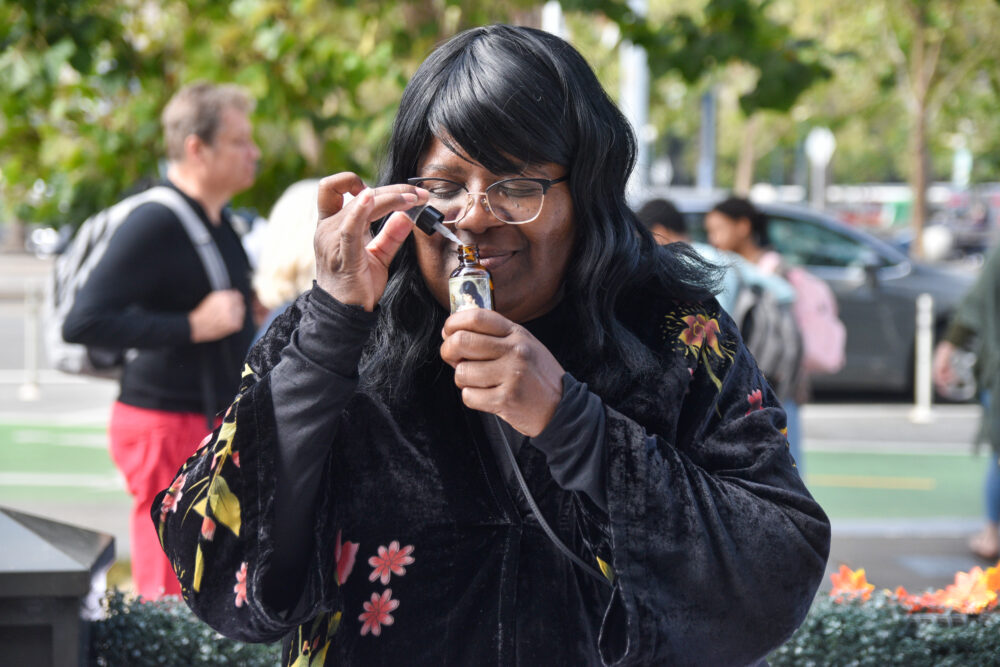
{"type": "Point", "coordinates": [29, 389]}
{"type": "Point", "coordinates": [923, 393]}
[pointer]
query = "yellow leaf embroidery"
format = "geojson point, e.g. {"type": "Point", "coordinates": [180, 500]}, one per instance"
{"type": "Point", "coordinates": [606, 570]}
{"type": "Point", "coordinates": [199, 569]}
{"type": "Point", "coordinates": [224, 504]}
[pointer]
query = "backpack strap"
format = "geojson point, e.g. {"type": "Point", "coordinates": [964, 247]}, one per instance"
{"type": "Point", "coordinates": [201, 239]}
{"type": "Point", "coordinates": [215, 269]}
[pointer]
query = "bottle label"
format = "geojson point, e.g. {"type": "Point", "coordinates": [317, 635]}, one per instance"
{"type": "Point", "coordinates": [470, 292]}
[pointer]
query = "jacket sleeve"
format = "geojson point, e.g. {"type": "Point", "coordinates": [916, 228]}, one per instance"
{"type": "Point", "coordinates": [216, 521]}
{"type": "Point", "coordinates": [717, 547]}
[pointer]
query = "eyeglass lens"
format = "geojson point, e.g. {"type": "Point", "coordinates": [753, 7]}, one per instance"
{"type": "Point", "coordinates": [514, 200]}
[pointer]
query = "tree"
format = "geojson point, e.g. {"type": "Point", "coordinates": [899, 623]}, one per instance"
{"type": "Point", "coordinates": [935, 46]}
{"type": "Point", "coordinates": [82, 82]}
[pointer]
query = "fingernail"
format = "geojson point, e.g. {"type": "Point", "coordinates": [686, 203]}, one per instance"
{"type": "Point", "coordinates": [410, 198]}
{"type": "Point", "coordinates": [365, 196]}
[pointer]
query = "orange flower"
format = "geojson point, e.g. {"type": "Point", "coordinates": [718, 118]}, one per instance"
{"type": "Point", "coordinates": [969, 594]}
{"type": "Point", "coordinates": [850, 583]}
{"type": "Point", "coordinates": [973, 592]}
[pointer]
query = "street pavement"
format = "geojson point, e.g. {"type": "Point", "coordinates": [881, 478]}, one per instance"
{"type": "Point", "coordinates": [903, 497]}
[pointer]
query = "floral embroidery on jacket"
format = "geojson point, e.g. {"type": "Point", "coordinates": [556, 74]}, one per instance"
{"type": "Point", "coordinates": [692, 329]}
{"type": "Point", "coordinates": [241, 585]}
{"type": "Point", "coordinates": [390, 561]}
{"type": "Point", "coordinates": [208, 529]}
{"type": "Point", "coordinates": [756, 400]}
{"type": "Point", "coordinates": [701, 331]}
{"type": "Point", "coordinates": [174, 494]}
{"type": "Point", "coordinates": [377, 614]}
{"type": "Point", "coordinates": [344, 554]}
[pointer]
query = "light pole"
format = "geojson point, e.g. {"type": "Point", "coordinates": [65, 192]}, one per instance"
{"type": "Point", "coordinates": [820, 145]}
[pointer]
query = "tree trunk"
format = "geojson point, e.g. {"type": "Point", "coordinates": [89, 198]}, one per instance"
{"type": "Point", "coordinates": [919, 178]}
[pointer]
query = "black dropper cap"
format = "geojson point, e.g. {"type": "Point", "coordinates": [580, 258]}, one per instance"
{"type": "Point", "coordinates": [426, 219]}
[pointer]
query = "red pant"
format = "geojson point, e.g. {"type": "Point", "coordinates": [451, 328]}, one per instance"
{"type": "Point", "coordinates": [149, 447]}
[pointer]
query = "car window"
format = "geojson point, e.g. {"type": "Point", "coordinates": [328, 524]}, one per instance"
{"type": "Point", "coordinates": [804, 242]}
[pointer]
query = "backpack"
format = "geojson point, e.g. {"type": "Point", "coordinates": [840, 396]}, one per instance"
{"type": "Point", "coordinates": [771, 333]}
{"type": "Point", "coordinates": [73, 267]}
{"type": "Point", "coordinates": [823, 334]}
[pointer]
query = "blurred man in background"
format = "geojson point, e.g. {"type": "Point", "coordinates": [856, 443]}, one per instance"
{"type": "Point", "coordinates": [150, 294]}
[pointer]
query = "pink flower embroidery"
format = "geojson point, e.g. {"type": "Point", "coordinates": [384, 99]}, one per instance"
{"type": "Point", "coordinates": [169, 503]}
{"type": "Point", "coordinates": [390, 560]}
{"type": "Point", "coordinates": [377, 614]}
{"type": "Point", "coordinates": [756, 400]}
{"type": "Point", "coordinates": [236, 459]}
{"type": "Point", "coordinates": [344, 554]}
{"type": "Point", "coordinates": [204, 443]}
{"type": "Point", "coordinates": [208, 529]}
{"type": "Point", "coordinates": [241, 585]}
{"type": "Point", "coordinates": [701, 329]}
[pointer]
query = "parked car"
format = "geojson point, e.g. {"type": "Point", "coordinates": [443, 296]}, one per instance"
{"type": "Point", "coordinates": [876, 287]}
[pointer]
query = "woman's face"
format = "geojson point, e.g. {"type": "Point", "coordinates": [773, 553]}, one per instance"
{"type": "Point", "coordinates": [527, 262]}
{"type": "Point", "coordinates": [725, 233]}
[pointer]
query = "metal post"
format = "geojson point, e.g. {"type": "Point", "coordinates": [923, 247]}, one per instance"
{"type": "Point", "coordinates": [29, 390]}
{"type": "Point", "coordinates": [705, 180]}
{"type": "Point", "coordinates": [922, 387]}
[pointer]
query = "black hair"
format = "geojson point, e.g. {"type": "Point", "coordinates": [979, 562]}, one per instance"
{"type": "Point", "coordinates": [663, 213]}
{"type": "Point", "coordinates": [469, 287]}
{"type": "Point", "coordinates": [510, 97]}
{"type": "Point", "coordinates": [736, 208]}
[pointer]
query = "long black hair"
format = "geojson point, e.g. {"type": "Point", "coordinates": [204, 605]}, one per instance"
{"type": "Point", "coordinates": [510, 97]}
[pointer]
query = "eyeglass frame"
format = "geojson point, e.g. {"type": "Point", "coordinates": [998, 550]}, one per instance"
{"type": "Point", "coordinates": [546, 183]}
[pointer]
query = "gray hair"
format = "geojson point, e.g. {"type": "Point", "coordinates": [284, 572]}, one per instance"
{"type": "Point", "coordinates": [197, 109]}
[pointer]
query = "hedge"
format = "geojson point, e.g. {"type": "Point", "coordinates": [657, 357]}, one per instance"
{"type": "Point", "coordinates": [137, 633]}
{"type": "Point", "coordinates": [848, 632]}
{"type": "Point", "coordinates": [881, 632]}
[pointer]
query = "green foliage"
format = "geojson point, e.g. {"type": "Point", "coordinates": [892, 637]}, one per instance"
{"type": "Point", "coordinates": [724, 32]}
{"type": "Point", "coordinates": [82, 82]}
{"type": "Point", "coordinates": [139, 633]}
{"type": "Point", "coordinates": [879, 632]}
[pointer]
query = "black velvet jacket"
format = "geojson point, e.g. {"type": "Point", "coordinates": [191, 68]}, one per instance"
{"type": "Point", "coordinates": [712, 544]}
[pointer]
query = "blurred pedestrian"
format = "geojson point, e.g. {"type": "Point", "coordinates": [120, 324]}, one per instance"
{"type": "Point", "coordinates": [975, 326]}
{"type": "Point", "coordinates": [593, 473]}
{"type": "Point", "coordinates": [150, 294]}
{"type": "Point", "coordinates": [735, 225]}
{"type": "Point", "coordinates": [668, 225]}
{"type": "Point", "coordinates": [287, 260]}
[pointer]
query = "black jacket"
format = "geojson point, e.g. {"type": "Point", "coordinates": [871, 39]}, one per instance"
{"type": "Point", "coordinates": [713, 544]}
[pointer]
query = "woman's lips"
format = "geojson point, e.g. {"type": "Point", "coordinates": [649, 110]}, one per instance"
{"type": "Point", "coordinates": [494, 260]}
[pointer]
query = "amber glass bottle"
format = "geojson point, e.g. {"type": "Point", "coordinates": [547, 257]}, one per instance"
{"type": "Point", "coordinates": [470, 285]}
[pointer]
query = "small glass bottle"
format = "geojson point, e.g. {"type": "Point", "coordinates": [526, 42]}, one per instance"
{"type": "Point", "coordinates": [470, 285]}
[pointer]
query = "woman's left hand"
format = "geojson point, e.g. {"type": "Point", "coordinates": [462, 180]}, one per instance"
{"type": "Point", "coordinates": [502, 369]}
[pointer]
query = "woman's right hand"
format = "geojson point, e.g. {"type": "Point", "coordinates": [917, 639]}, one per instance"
{"type": "Point", "coordinates": [350, 264]}
{"type": "Point", "coordinates": [941, 370]}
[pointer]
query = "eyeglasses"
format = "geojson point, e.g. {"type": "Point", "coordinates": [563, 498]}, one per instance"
{"type": "Point", "coordinates": [512, 200]}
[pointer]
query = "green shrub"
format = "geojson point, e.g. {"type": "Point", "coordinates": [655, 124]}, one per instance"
{"type": "Point", "coordinates": [881, 632]}
{"type": "Point", "coordinates": [138, 633]}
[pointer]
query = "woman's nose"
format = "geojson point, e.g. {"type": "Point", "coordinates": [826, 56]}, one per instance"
{"type": "Point", "coordinates": [478, 217]}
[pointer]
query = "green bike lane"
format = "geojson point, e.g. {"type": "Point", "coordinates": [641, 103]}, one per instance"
{"type": "Point", "coordinates": [51, 464]}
